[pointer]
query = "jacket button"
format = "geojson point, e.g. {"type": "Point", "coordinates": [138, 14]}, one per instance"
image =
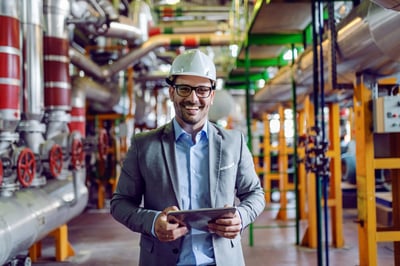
{"type": "Point", "coordinates": [175, 251]}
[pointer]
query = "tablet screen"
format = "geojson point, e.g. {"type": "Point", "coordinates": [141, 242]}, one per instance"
{"type": "Point", "coordinates": [200, 218]}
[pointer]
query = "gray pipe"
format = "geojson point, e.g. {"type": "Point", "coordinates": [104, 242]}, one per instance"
{"type": "Point", "coordinates": [33, 213]}
{"type": "Point", "coordinates": [369, 32]}
{"type": "Point", "coordinates": [32, 18]}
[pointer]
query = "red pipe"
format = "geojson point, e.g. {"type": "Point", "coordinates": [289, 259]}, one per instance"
{"type": "Point", "coordinates": [56, 74]}
{"type": "Point", "coordinates": [10, 68]}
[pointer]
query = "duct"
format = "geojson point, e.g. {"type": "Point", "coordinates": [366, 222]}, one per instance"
{"type": "Point", "coordinates": [180, 13]}
{"type": "Point", "coordinates": [40, 211]}
{"type": "Point", "coordinates": [166, 40]}
{"type": "Point", "coordinates": [33, 103]}
{"type": "Point", "coordinates": [140, 14]}
{"type": "Point", "coordinates": [94, 17]}
{"type": "Point", "coordinates": [107, 95]}
{"type": "Point", "coordinates": [108, 71]}
{"type": "Point", "coordinates": [390, 4]}
{"type": "Point", "coordinates": [124, 29]}
{"type": "Point", "coordinates": [189, 27]}
{"type": "Point", "coordinates": [369, 31]}
{"type": "Point", "coordinates": [84, 63]}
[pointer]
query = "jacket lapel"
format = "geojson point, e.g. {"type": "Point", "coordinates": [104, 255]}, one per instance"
{"type": "Point", "coordinates": [168, 145]}
{"type": "Point", "coordinates": [214, 145]}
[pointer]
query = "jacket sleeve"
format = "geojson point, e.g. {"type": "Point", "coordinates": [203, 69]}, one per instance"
{"type": "Point", "coordinates": [248, 187]}
{"type": "Point", "coordinates": [125, 205]}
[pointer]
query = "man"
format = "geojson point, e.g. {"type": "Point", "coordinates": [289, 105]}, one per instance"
{"type": "Point", "coordinates": [189, 163]}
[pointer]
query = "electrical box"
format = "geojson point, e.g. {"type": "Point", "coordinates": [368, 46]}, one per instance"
{"type": "Point", "coordinates": [387, 114]}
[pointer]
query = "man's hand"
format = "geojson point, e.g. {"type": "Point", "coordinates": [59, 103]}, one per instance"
{"type": "Point", "coordinates": [167, 231]}
{"type": "Point", "coordinates": [228, 227]}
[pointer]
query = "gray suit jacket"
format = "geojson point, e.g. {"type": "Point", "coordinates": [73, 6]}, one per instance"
{"type": "Point", "coordinates": [149, 183]}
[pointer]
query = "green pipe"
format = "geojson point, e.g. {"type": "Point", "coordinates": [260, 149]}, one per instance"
{"type": "Point", "coordinates": [295, 155]}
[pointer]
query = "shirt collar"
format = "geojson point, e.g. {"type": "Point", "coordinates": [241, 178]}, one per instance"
{"type": "Point", "coordinates": [179, 130]}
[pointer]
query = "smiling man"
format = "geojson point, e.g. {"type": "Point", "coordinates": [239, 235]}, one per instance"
{"type": "Point", "coordinates": [188, 164]}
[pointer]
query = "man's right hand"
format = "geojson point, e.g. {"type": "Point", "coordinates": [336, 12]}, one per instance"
{"type": "Point", "coordinates": [166, 231]}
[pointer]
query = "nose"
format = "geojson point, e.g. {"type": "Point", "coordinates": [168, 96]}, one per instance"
{"type": "Point", "coordinates": [192, 95]}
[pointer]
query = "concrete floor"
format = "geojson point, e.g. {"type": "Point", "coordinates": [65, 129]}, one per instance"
{"type": "Point", "coordinates": [98, 239]}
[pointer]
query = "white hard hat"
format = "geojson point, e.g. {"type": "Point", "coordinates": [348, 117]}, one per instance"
{"type": "Point", "coordinates": [193, 63]}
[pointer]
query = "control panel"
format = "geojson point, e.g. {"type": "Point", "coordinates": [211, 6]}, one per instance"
{"type": "Point", "coordinates": [387, 114]}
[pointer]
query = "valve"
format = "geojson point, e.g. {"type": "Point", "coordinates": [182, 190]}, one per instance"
{"type": "Point", "coordinates": [77, 154]}
{"type": "Point", "coordinates": [102, 144]}
{"type": "Point", "coordinates": [55, 160]}
{"type": "Point", "coordinates": [26, 167]}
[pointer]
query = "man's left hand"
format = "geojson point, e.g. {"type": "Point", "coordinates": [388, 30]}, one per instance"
{"type": "Point", "coordinates": [228, 227]}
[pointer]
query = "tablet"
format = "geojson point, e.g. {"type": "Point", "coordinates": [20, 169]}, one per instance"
{"type": "Point", "coordinates": [200, 218]}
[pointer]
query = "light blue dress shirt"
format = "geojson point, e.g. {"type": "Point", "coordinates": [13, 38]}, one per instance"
{"type": "Point", "coordinates": [194, 189]}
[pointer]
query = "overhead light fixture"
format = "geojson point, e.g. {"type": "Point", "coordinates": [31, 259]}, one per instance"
{"type": "Point", "coordinates": [172, 2]}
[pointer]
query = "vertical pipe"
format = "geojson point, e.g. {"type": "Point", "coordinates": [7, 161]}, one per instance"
{"type": "Point", "coordinates": [324, 177]}
{"type": "Point", "coordinates": [316, 109]}
{"type": "Point", "coordinates": [10, 68]}
{"type": "Point", "coordinates": [248, 119]}
{"type": "Point", "coordinates": [295, 156]}
{"type": "Point", "coordinates": [56, 59]}
{"type": "Point", "coordinates": [33, 58]}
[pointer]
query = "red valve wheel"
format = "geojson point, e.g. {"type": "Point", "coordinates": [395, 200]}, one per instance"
{"type": "Point", "coordinates": [102, 144]}
{"type": "Point", "coordinates": [26, 167]}
{"type": "Point", "coordinates": [77, 154]}
{"type": "Point", "coordinates": [55, 160]}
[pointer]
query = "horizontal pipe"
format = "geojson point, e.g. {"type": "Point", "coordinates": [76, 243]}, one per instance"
{"type": "Point", "coordinates": [32, 213]}
{"type": "Point", "coordinates": [369, 32]}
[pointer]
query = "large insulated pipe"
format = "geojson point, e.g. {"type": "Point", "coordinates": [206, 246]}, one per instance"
{"type": "Point", "coordinates": [391, 4]}
{"type": "Point", "coordinates": [162, 40]}
{"type": "Point", "coordinates": [56, 59]}
{"type": "Point", "coordinates": [187, 40]}
{"type": "Point", "coordinates": [189, 12]}
{"type": "Point", "coordinates": [33, 58]}
{"type": "Point", "coordinates": [98, 93]}
{"type": "Point", "coordinates": [33, 213]}
{"type": "Point", "coordinates": [107, 95]}
{"type": "Point", "coordinates": [369, 31]}
{"type": "Point", "coordinates": [10, 67]}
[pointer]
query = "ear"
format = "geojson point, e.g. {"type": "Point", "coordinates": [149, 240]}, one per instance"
{"type": "Point", "coordinates": [171, 92]}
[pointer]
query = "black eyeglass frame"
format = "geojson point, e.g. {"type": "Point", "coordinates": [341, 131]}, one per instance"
{"type": "Point", "coordinates": [195, 89]}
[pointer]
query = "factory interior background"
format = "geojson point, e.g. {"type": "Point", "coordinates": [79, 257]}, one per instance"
{"type": "Point", "coordinates": [313, 85]}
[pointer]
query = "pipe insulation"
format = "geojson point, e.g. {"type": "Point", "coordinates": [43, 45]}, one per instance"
{"type": "Point", "coordinates": [368, 32]}
{"type": "Point", "coordinates": [31, 214]}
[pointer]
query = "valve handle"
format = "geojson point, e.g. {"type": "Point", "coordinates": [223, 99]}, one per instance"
{"type": "Point", "coordinates": [76, 154]}
{"type": "Point", "coordinates": [26, 166]}
{"type": "Point", "coordinates": [55, 160]}
{"type": "Point", "coordinates": [102, 144]}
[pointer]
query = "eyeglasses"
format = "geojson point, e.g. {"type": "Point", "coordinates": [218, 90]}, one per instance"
{"type": "Point", "coordinates": [186, 90]}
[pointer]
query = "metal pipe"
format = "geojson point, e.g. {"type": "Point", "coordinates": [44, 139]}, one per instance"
{"type": "Point", "coordinates": [32, 17]}
{"type": "Point", "coordinates": [108, 71]}
{"type": "Point", "coordinates": [188, 40]}
{"type": "Point", "coordinates": [369, 31]}
{"type": "Point", "coordinates": [390, 4]}
{"type": "Point", "coordinates": [39, 211]}
{"type": "Point", "coordinates": [10, 68]}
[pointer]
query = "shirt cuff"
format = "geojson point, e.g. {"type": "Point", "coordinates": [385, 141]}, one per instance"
{"type": "Point", "coordinates": [154, 222]}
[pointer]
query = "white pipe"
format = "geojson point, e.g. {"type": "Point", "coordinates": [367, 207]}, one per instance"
{"type": "Point", "coordinates": [31, 214]}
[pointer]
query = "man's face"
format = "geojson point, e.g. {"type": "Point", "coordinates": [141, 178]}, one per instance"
{"type": "Point", "coordinates": [191, 111]}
